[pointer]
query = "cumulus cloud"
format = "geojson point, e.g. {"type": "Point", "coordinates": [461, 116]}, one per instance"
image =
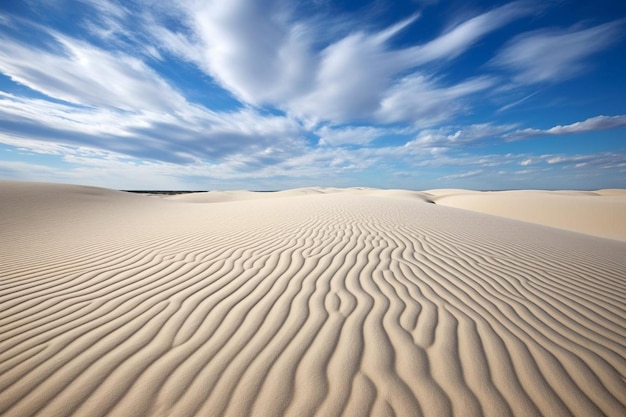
{"type": "Point", "coordinates": [550, 55]}
{"type": "Point", "coordinates": [588, 125]}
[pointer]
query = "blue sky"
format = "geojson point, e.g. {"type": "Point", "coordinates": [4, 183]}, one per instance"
{"type": "Point", "coordinates": [275, 94]}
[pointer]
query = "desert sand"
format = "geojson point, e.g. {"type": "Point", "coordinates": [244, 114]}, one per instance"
{"type": "Point", "coordinates": [599, 213]}
{"type": "Point", "coordinates": [311, 302]}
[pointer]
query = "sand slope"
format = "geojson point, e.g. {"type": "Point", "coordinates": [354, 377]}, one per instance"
{"type": "Point", "coordinates": [357, 302]}
{"type": "Point", "coordinates": [599, 213]}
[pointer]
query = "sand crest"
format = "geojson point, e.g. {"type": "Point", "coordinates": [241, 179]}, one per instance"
{"type": "Point", "coordinates": [317, 302]}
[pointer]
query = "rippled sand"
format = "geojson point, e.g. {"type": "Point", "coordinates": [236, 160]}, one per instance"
{"type": "Point", "coordinates": [319, 302]}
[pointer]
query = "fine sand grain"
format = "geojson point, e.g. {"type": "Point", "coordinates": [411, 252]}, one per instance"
{"type": "Point", "coordinates": [322, 302]}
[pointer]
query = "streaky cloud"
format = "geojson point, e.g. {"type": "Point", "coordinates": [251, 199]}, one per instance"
{"type": "Point", "coordinates": [350, 135]}
{"type": "Point", "coordinates": [588, 125]}
{"type": "Point", "coordinates": [457, 40]}
{"type": "Point", "coordinates": [555, 55]}
{"type": "Point", "coordinates": [264, 55]}
{"type": "Point", "coordinates": [423, 101]}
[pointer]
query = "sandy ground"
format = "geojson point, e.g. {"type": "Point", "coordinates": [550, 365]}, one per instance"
{"type": "Point", "coordinates": [315, 301]}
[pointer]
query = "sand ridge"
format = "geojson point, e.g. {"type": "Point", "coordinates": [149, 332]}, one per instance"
{"type": "Point", "coordinates": [343, 302]}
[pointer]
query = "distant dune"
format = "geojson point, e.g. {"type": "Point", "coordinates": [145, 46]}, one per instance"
{"type": "Point", "coordinates": [314, 301]}
{"type": "Point", "coordinates": [599, 213]}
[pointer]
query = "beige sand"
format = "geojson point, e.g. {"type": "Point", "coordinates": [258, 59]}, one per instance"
{"type": "Point", "coordinates": [599, 213]}
{"type": "Point", "coordinates": [318, 302]}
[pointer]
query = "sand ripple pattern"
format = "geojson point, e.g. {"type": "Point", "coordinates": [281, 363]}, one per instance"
{"type": "Point", "coordinates": [319, 305]}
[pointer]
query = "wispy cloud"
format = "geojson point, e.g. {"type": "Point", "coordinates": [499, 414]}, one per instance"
{"type": "Point", "coordinates": [191, 134]}
{"type": "Point", "coordinates": [459, 136]}
{"type": "Point", "coordinates": [350, 135]}
{"type": "Point", "coordinates": [77, 72]}
{"type": "Point", "coordinates": [551, 55]}
{"type": "Point", "coordinates": [458, 39]}
{"type": "Point", "coordinates": [420, 100]}
{"type": "Point", "coordinates": [467, 174]}
{"type": "Point", "coordinates": [263, 54]}
{"type": "Point", "coordinates": [604, 160]}
{"type": "Point", "coordinates": [126, 89]}
{"type": "Point", "coordinates": [589, 125]}
{"type": "Point", "coordinates": [517, 102]}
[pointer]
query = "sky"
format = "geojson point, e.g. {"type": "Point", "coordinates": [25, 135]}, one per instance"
{"type": "Point", "coordinates": [278, 94]}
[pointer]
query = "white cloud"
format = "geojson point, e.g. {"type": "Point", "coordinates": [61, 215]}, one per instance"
{"type": "Point", "coordinates": [192, 133]}
{"type": "Point", "coordinates": [422, 100]}
{"type": "Point", "coordinates": [252, 48]}
{"type": "Point", "coordinates": [525, 172]}
{"type": "Point", "coordinates": [352, 75]}
{"type": "Point", "coordinates": [359, 135]}
{"type": "Point", "coordinates": [106, 171]}
{"type": "Point", "coordinates": [314, 164]}
{"type": "Point", "coordinates": [264, 54]}
{"type": "Point", "coordinates": [589, 125]}
{"type": "Point", "coordinates": [517, 102]}
{"type": "Point", "coordinates": [107, 114]}
{"type": "Point", "coordinates": [601, 160]}
{"type": "Point", "coordinates": [260, 51]}
{"type": "Point", "coordinates": [77, 72]}
{"type": "Point", "coordinates": [467, 174]}
{"type": "Point", "coordinates": [555, 55]}
{"type": "Point", "coordinates": [110, 100]}
{"type": "Point", "coordinates": [450, 136]}
{"type": "Point", "coordinates": [461, 37]}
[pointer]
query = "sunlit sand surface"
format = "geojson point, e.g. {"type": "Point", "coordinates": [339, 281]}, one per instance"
{"type": "Point", "coordinates": [311, 302]}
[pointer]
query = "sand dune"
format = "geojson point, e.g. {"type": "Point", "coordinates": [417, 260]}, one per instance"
{"type": "Point", "coordinates": [600, 213]}
{"type": "Point", "coordinates": [313, 302]}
